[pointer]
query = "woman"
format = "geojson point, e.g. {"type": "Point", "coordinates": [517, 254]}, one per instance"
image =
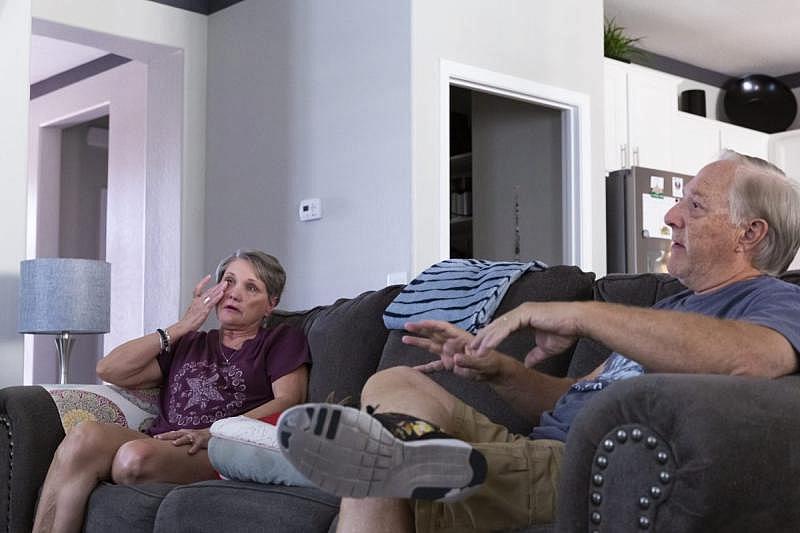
{"type": "Point", "coordinates": [242, 368]}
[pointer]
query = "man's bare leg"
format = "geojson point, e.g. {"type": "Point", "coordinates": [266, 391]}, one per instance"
{"type": "Point", "coordinates": [404, 390]}
{"type": "Point", "coordinates": [400, 390]}
{"type": "Point", "coordinates": [375, 515]}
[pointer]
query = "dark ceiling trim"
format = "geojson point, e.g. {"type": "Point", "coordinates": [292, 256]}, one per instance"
{"type": "Point", "coordinates": [74, 75]}
{"type": "Point", "coordinates": [792, 80]}
{"type": "Point", "coordinates": [219, 5]}
{"type": "Point", "coordinates": [686, 70]}
{"type": "Point", "coordinates": [204, 7]}
{"type": "Point", "coordinates": [679, 68]}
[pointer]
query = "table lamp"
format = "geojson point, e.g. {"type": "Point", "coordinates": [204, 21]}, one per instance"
{"type": "Point", "coordinates": [64, 297]}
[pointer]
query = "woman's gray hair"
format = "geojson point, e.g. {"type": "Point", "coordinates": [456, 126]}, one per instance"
{"type": "Point", "coordinates": [762, 190]}
{"type": "Point", "coordinates": [267, 267]}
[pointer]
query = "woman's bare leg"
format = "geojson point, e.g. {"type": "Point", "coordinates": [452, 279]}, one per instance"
{"type": "Point", "coordinates": [154, 461]}
{"type": "Point", "coordinates": [94, 452]}
{"type": "Point", "coordinates": [82, 459]}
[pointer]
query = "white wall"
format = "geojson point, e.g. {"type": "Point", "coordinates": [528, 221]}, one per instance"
{"type": "Point", "coordinates": [136, 29]}
{"type": "Point", "coordinates": [552, 42]}
{"type": "Point", "coordinates": [15, 29]}
{"type": "Point", "coordinates": [142, 30]}
{"type": "Point", "coordinates": [311, 99]}
{"type": "Point", "coordinates": [122, 94]}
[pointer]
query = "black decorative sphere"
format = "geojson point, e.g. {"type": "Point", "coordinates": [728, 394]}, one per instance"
{"type": "Point", "coordinates": [760, 102]}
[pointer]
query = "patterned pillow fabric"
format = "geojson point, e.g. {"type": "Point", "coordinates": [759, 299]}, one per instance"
{"type": "Point", "coordinates": [136, 409]}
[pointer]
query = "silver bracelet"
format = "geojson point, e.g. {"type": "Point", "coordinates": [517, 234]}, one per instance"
{"type": "Point", "coordinates": [164, 337]}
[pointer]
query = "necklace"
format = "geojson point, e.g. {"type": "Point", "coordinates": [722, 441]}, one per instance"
{"type": "Point", "coordinates": [227, 358]}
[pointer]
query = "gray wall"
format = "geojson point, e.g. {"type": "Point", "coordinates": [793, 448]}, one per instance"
{"type": "Point", "coordinates": [516, 154]}
{"type": "Point", "coordinates": [311, 99]}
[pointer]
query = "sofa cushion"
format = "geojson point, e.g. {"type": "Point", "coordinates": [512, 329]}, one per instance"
{"type": "Point", "coordinates": [245, 507]}
{"type": "Point", "coordinates": [632, 289]}
{"type": "Point", "coordinates": [564, 283]}
{"type": "Point", "coordinates": [642, 290]}
{"type": "Point", "coordinates": [346, 339]}
{"type": "Point", "coordinates": [124, 508]}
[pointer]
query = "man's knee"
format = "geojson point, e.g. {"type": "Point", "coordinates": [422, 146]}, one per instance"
{"type": "Point", "coordinates": [133, 462]}
{"type": "Point", "coordinates": [392, 380]}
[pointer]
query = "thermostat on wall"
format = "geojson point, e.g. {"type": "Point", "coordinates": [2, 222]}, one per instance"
{"type": "Point", "coordinates": [310, 209]}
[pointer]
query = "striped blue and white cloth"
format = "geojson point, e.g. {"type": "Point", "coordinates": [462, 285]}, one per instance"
{"type": "Point", "coordinates": [465, 292]}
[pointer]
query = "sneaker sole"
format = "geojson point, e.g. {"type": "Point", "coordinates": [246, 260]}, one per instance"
{"type": "Point", "coordinates": [349, 453]}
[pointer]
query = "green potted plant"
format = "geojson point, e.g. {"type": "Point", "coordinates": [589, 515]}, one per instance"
{"type": "Point", "coordinates": [617, 45]}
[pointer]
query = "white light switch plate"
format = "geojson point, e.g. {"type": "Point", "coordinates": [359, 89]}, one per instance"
{"type": "Point", "coordinates": [310, 209]}
{"type": "Point", "coordinates": [396, 278]}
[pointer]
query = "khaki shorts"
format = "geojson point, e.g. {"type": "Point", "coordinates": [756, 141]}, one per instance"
{"type": "Point", "coordinates": [520, 487]}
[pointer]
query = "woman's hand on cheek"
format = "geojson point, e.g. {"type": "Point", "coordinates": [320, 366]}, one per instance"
{"type": "Point", "coordinates": [202, 303]}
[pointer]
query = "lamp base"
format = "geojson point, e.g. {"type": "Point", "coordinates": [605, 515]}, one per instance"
{"type": "Point", "coordinates": [64, 341]}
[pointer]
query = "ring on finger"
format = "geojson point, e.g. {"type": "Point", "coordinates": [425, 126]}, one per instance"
{"type": "Point", "coordinates": [206, 299]}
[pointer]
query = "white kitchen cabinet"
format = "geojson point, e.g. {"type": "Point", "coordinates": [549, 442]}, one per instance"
{"type": "Point", "coordinates": [639, 104]}
{"type": "Point", "coordinates": [616, 114]}
{"type": "Point", "coordinates": [652, 100]}
{"type": "Point", "coordinates": [784, 151]}
{"type": "Point", "coordinates": [744, 140]}
{"type": "Point", "coordinates": [695, 142]}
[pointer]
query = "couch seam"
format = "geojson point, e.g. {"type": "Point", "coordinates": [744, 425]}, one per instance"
{"type": "Point", "coordinates": [195, 486]}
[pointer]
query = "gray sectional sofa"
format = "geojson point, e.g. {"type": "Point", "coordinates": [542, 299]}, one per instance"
{"type": "Point", "coordinates": [656, 453]}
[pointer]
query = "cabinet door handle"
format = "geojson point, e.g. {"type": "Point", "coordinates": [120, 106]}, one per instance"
{"type": "Point", "coordinates": [623, 156]}
{"type": "Point", "coordinates": [636, 156]}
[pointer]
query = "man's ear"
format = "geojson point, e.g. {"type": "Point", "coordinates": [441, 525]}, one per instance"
{"type": "Point", "coordinates": [754, 233]}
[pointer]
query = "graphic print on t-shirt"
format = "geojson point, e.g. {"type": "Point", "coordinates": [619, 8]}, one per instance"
{"type": "Point", "coordinates": [203, 392]}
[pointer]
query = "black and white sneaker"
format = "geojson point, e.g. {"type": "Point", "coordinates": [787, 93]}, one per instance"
{"type": "Point", "coordinates": [355, 454]}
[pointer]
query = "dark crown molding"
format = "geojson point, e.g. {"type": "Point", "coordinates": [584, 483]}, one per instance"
{"type": "Point", "coordinates": [74, 75]}
{"type": "Point", "coordinates": [204, 7]}
{"type": "Point", "coordinates": [692, 72]}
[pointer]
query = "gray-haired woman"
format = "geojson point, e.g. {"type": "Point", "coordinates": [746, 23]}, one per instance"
{"type": "Point", "coordinates": [241, 368]}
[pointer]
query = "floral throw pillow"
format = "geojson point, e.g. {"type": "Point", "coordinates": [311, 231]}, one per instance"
{"type": "Point", "coordinates": [136, 409]}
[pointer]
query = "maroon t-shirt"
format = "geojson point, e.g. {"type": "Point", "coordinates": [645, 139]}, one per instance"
{"type": "Point", "coordinates": [205, 381]}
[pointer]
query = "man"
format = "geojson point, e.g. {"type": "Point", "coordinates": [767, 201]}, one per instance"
{"type": "Point", "coordinates": [736, 227]}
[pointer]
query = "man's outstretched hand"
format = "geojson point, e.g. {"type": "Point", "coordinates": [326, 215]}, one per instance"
{"type": "Point", "coordinates": [451, 344]}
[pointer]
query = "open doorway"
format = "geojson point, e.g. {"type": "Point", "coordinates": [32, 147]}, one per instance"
{"type": "Point", "coordinates": [82, 216]}
{"type": "Point", "coordinates": [132, 114]}
{"type": "Point", "coordinates": [572, 111]}
{"type": "Point", "coordinates": [506, 178]}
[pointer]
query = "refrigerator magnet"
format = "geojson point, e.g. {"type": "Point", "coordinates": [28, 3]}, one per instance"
{"type": "Point", "coordinates": [677, 186]}
{"type": "Point", "coordinates": [656, 185]}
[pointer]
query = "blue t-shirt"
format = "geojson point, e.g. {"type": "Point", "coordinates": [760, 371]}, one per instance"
{"type": "Point", "coordinates": [763, 300]}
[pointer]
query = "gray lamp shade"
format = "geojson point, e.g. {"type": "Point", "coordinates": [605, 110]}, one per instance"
{"type": "Point", "coordinates": [57, 295]}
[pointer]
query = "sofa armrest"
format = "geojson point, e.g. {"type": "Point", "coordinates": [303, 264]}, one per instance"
{"type": "Point", "coordinates": [30, 432]}
{"type": "Point", "coordinates": [685, 453]}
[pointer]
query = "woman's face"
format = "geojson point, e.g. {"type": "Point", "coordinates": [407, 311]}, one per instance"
{"type": "Point", "coordinates": [246, 301]}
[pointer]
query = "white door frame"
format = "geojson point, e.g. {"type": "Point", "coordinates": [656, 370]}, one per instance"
{"type": "Point", "coordinates": [576, 149]}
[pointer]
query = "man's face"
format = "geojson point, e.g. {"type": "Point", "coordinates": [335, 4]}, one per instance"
{"type": "Point", "coordinates": [704, 240]}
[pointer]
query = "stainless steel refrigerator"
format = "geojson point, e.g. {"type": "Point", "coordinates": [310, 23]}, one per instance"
{"type": "Point", "coordinates": [637, 199]}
